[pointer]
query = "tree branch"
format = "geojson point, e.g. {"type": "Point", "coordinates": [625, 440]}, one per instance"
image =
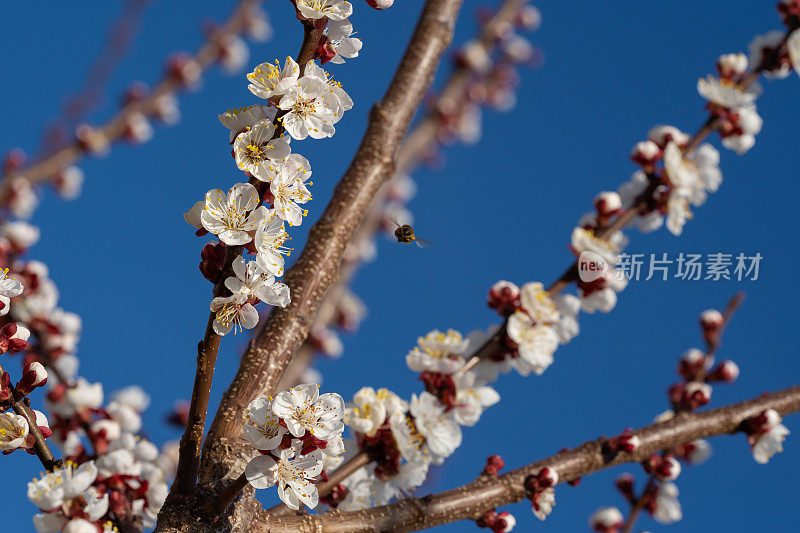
{"type": "Point", "coordinates": [208, 348]}
{"type": "Point", "coordinates": [114, 129]}
{"type": "Point", "coordinates": [317, 268]}
{"type": "Point", "coordinates": [472, 500]}
{"type": "Point", "coordinates": [418, 144]}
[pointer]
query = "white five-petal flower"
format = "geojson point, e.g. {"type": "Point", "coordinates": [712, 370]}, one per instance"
{"type": "Point", "coordinates": [291, 472]}
{"type": "Point", "coordinates": [270, 239]}
{"type": "Point", "coordinates": [257, 152]}
{"type": "Point", "coordinates": [339, 34]}
{"type": "Point", "coordinates": [310, 106]}
{"type": "Point", "coordinates": [304, 409]}
{"type": "Point", "coordinates": [261, 426]}
{"type": "Point", "coordinates": [332, 9]}
{"type": "Point", "coordinates": [289, 189]}
{"type": "Point", "coordinates": [268, 80]}
{"type": "Point", "coordinates": [232, 216]}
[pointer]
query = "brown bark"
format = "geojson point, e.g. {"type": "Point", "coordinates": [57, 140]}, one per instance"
{"type": "Point", "coordinates": [317, 268]}
{"type": "Point", "coordinates": [472, 500]}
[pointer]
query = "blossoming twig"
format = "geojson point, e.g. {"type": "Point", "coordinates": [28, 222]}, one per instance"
{"type": "Point", "coordinates": [208, 348]}
{"type": "Point", "coordinates": [472, 500]}
{"type": "Point", "coordinates": [315, 271]}
{"type": "Point", "coordinates": [41, 448]}
{"type": "Point", "coordinates": [713, 338]}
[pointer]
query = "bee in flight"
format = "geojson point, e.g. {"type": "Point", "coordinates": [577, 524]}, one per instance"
{"type": "Point", "coordinates": [405, 234]}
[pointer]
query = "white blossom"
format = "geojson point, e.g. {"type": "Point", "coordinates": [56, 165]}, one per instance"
{"type": "Point", "coordinates": [536, 343]}
{"type": "Point", "coordinates": [585, 240]}
{"type": "Point", "coordinates": [13, 430]}
{"type": "Point", "coordinates": [62, 485]}
{"type": "Point", "coordinates": [252, 281]}
{"type": "Point", "coordinates": [20, 233]}
{"type": "Point", "coordinates": [261, 426]}
{"type": "Point", "coordinates": [134, 397]}
{"type": "Point", "coordinates": [232, 312]}
{"type": "Point", "coordinates": [725, 93]}
{"type": "Point", "coordinates": [270, 239]}
{"type": "Point", "coordinates": [9, 288]}
{"type": "Point", "coordinates": [438, 352]}
{"type": "Point", "coordinates": [304, 409]}
{"type": "Point", "coordinates": [268, 80]}
{"type": "Point", "coordinates": [339, 34]}
{"type": "Point", "coordinates": [233, 216]}
{"type": "Point", "coordinates": [257, 152]}
{"type": "Point", "coordinates": [341, 101]}
{"type": "Point", "coordinates": [240, 119]}
{"type": "Point", "coordinates": [770, 441]}
{"type": "Point", "coordinates": [472, 398]}
{"type": "Point", "coordinates": [291, 472]}
{"type": "Point", "coordinates": [310, 106]}
{"type": "Point", "coordinates": [606, 517]}
{"type": "Point", "coordinates": [332, 9]}
{"type": "Point", "coordinates": [545, 503]}
{"type": "Point", "coordinates": [536, 302]}
{"type": "Point", "coordinates": [793, 47]}
{"type": "Point", "coordinates": [366, 413]}
{"type": "Point", "coordinates": [441, 432]}
{"type": "Point", "coordinates": [289, 189]}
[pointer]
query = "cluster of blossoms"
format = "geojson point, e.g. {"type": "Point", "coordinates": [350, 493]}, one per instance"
{"type": "Point", "coordinates": [404, 438]}
{"type": "Point", "coordinates": [303, 101]}
{"type": "Point", "coordinates": [297, 434]}
{"type": "Point", "coordinates": [698, 371]}
{"type": "Point", "coordinates": [122, 480]}
{"type": "Point", "coordinates": [129, 473]}
{"type": "Point", "coordinates": [535, 325]}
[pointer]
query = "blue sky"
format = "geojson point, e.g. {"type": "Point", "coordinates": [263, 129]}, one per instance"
{"type": "Point", "coordinates": [503, 209]}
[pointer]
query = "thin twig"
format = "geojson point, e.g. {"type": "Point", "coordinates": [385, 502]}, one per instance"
{"type": "Point", "coordinates": [472, 500]}
{"type": "Point", "coordinates": [114, 129]}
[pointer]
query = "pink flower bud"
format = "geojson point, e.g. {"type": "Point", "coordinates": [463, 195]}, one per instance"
{"type": "Point", "coordinates": [645, 153]}
{"type": "Point", "coordinates": [13, 160]}
{"type": "Point", "coordinates": [504, 297]}
{"type": "Point", "coordinates": [624, 484]}
{"type": "Point", "coordinates": [136, 92]}
{"type": "Point", "coordinates": [33, 375]}
{"type": "Point", "coordinates": [547, 478]}
{"type": "Point", "coordinates": [607, 203]}
{"type": "Point", "coordinates": [711, 321]}
{"type": "Point", "coordinates": [664, 468]}
{"type": "Point", "coordinates": [380, 4]}
{"type": "Point", "coordinates": [727, 371]}
{"type": "Point", "coordinates": [182, 68]}
{"type": "Point", "coordinates": [494, 463]}
{"type": "Point", "coordinates": [625, 442]}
